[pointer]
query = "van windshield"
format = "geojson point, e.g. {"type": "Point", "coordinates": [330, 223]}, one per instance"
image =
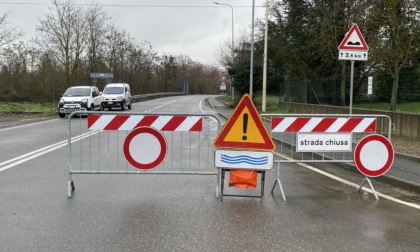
{"type": "Point", "coordinates": [114, 90]}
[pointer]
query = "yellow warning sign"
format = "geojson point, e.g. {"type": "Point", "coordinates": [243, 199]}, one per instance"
{"type": "Point", "coordinates": [244, 129]}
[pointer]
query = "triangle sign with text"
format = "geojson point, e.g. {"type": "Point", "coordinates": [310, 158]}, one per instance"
{"type": "Point", "coordinates": [354, 40]}
{"type": "Point", "coordinates": [244, 129]}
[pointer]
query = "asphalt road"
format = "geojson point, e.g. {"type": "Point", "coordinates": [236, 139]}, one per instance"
{"type": "Point", "coordinates": [323, 211]}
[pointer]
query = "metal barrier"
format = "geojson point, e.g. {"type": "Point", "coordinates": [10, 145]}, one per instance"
{"type": "Point", "coordinates": [294, 135]}
{"type": "Point", "coordinates": [96, 140]}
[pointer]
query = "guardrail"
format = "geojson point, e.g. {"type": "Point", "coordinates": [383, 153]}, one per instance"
{"type": "Point", "coordinates": [155, 95]}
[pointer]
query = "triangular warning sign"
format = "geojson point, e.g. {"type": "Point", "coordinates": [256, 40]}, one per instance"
{"type": "Point", "coordinates": [244, 129]}
{"type": "Point", "coordinates": [354, 40]}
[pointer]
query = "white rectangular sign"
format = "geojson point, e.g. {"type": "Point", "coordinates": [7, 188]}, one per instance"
{"type": "Point", "coordinates": [353, 55]}
{"type": "Point", "coordinates": [325, 142]}
{"type": "Point", "coordinates": [244, 159]}
{"type": "Point", "coordinates": [370, 81]}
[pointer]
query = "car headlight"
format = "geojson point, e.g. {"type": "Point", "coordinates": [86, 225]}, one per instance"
{"type": "Point", "coordinates": [119, 98]}
{"type": "Point", "coordinates": [85, 100]}
{"type": "Point", "coordinates": [61, 100]}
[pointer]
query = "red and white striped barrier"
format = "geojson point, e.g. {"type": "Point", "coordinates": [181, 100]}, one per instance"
{"type": "Point", "coordinates": [320, 124]}
{"type": "Point", "coordinates": [159, 122]}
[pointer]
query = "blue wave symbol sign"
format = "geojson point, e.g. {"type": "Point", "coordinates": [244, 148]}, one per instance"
{"type": "Point", "coordinates": [244, 159]}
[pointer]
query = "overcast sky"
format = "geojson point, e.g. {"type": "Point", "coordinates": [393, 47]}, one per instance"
{"type": "Point", "coordinates": [195, 28]}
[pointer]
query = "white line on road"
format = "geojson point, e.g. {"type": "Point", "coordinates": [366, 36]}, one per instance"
{"type": "Point", "coordinates": [27, 125]}
{"type": "Point", "coordinates": [353, 184]}
{"type": "Point", "coordinates": [31, 155]}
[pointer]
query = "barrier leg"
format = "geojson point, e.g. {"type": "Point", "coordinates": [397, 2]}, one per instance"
{"type": "Point", "coordinates": [218, 183]}
{"type": "Point", "coordinates": [70, 185]}
{"type": "Point", "coordinates": [370, 185]}
{"type": "Point", "coordinates": [222, 183]}
{"type": "Point", "coordinates": [278, 182]}
{"type": "Point", "coordinates": [262, 184]}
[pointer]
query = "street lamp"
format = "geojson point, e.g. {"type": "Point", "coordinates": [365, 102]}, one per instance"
{"type": "Point", "coordinates": [233, 43]}
{"type": "Point", "coordinates": [231, 7]}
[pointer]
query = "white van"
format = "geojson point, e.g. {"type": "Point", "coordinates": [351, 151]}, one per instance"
{"type": "Point", "coordinates": [116, 95]}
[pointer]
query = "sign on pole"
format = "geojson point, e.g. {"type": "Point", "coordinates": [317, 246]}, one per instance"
{"type": "Point", "coordinates": [353, 46]}
{"type": "Point", "coordinates": [370, 82]}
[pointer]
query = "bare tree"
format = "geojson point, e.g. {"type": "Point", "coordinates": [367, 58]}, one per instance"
{"type": "Point", "coordinates": [63, 32]}
{"type": "Point", "coordinates": [8, 34]}
{"type": "Point", "coordinates": [96, 28]}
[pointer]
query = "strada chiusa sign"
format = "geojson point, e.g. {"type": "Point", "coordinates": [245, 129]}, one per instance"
{"type": "Point", "coordinates": [309, 142]}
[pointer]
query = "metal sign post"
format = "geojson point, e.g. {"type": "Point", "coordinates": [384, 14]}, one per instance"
{"type": "Point", "coordinates": [353, 47]}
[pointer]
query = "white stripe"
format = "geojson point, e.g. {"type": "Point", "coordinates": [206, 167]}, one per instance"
{"type": "Point", "coordinates": [311, 124]}
{"type": "Point", "coordinates": [361, 127]}
{"type": "Point", "coordinates": [346, 182]}
{"type": "Point", "coordinates": [31, 155]}
{"type": "Point", "coordinates": [337, 125]}
{"type": "Point", "coordinates": [27, 125]}
{"type": "Point", "coordinates": [102, 122]}
{"type": "Point", "coordinates": [131, 122]}
{"type": "Point", "coordinates": [161, 121]}
{"type": "Point", "coordinates": [284, 124]}
{"type": "Point", "coordinates": [188, 123]}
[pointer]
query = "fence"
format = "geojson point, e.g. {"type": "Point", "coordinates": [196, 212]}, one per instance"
{"type": "Point", "coordinates": [103, 142]}
{"type": "Point", "coordinates": [320, 138]}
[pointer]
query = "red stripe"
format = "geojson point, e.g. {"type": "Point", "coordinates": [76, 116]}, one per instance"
{"type": "Point", "coordinates": [297, 124]}
{"type": "Point", "coordinates": [350, 124]}
{"type": "Point", "coordinates": [324, 124]}
{"type": "Point", "coordinates": [276, 121]}
{"type": "Point", "coordinates": [147, 121]}
{"type": "Point", "coordinates": [371, 127]}
{"type": "Point", "coordinates": [173, 123]}
{"type": "Point", "coordinates": [116, 123]}
{"type": "Point", "coordinates": [92, 118]}
{"type": "Point", "coordinates": [198, 126]}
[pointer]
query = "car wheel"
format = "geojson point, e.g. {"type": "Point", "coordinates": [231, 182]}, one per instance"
{"type": "Point", "coordinates": [122, 106]}
{"type": "Point", "coordinates": [61, 115]}
{"type": "Point", "coordinates": [129, 106]}
{"type": "Point", "coordinates": [102, 108]}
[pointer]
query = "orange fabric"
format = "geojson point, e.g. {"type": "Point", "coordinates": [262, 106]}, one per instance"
{"type": "Point", "coordinates": [243, 179]}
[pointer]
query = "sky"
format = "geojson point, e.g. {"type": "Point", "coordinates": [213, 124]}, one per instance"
{"type": "Point", "coordinates": [195, 28]}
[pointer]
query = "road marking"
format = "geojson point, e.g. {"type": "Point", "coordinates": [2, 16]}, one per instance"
{"type": "Point", "coordinates": [27, 125]}
{"type": "Point", "coordinates": [31, 155]}
{"type": "Point", "coordinates": [160, 106]}
{"type": "Point", "coordinates": [353, 184]}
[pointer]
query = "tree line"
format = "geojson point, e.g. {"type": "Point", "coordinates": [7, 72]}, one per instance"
{"type": "Point", "coordinates": [303, 38]}
{"type": "Point", "coordinates": [303, 35]}
{"type": "Point", "coordinates": [75, 40]}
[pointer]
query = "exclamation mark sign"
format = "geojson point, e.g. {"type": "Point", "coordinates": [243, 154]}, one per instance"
{"type": "Point", "coordinates": [245, 126]}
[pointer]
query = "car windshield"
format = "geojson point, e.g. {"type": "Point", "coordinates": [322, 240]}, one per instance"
{"type": "Point", "coordinates": [77, 92]}
{"type": "Point", "coordinates": [113, 90]}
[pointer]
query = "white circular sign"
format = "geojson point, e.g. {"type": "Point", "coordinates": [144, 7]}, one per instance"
{"type": "Point", "coordinates": [145, 148]}
{"type": "Point", "coordinates": [374, 155]}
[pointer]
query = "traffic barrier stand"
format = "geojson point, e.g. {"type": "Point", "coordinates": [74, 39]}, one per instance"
{"type": "Point", "coordinates": [141, 144]}
{"type": "Point", "coordinates": [333, 138]}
